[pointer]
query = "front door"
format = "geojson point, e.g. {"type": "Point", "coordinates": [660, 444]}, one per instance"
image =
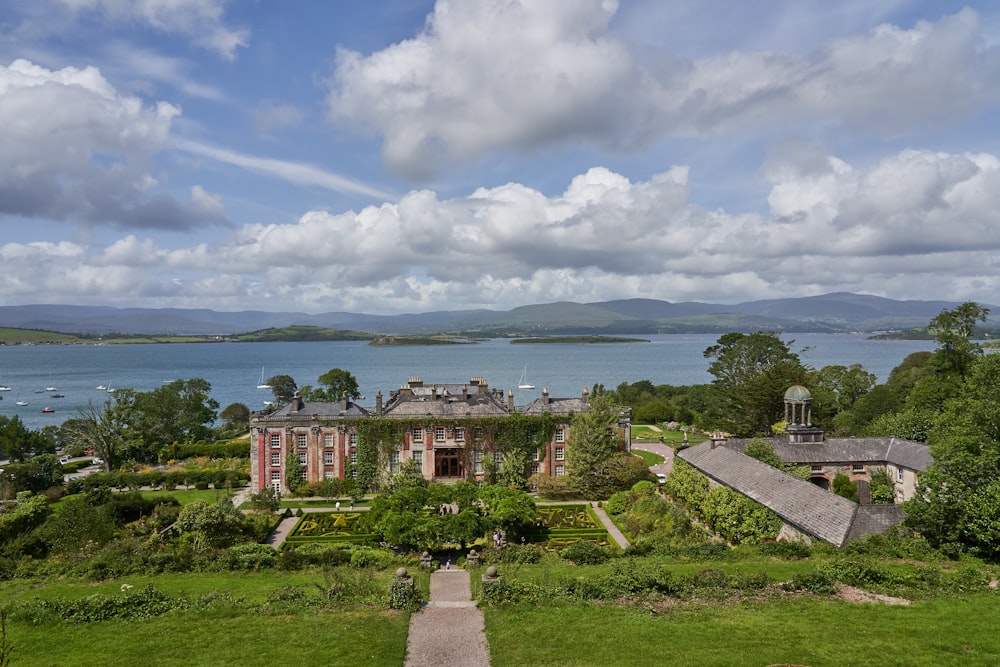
{"type": "Point", "coordinates": [448, 463]}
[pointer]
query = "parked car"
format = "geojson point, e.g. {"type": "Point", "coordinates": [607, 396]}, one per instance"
{"type": "Point", "coordinates": [98, 461]}
{"type": "Point", "coordinates": [661, 478]}
{"type": "Point", "coordinates": [63, 460]}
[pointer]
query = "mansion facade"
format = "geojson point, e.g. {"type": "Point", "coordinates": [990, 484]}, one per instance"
{"type": "Point", "coordinates": [443, 428]}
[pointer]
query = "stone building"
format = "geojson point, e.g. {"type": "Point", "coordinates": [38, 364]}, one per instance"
{"type": "Point", "coordinates": [444, 428]}
{"type": "Point", "coordinates": [807, 508]}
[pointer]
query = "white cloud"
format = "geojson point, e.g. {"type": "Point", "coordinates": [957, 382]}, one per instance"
{"type": "Point", "coordinates": [201, 20]}
{"type": "Point", "coordinates": [302, 174]}
{"type": "Point", "coordinates": [78, 151]}
{"type": "Point", "coordinates": [917, 224]}
{"type": "Point", "coordinates": [524, 74]}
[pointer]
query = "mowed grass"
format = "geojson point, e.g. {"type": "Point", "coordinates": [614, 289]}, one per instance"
{"type": "Point", "coordinates": [224, 635]}
{"type": "Point", "coordinates": [801, 631]}
{"type": "Point", "coordinates": [185, 496]}
{"type": "Point", "coordinates": [350, 638]}
{"type": "Point", "coordinates": [650, 458]}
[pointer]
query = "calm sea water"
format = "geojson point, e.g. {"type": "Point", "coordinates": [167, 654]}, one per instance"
{"type": "Point", "coordinates": [234, 369]}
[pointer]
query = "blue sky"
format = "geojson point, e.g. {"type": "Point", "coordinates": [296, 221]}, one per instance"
{"type": "Point", "coordinates": [411, 156]}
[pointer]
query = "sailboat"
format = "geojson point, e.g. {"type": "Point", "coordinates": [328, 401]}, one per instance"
{"type": "Point", "coordinates": [263, 385]}
{"type": "Point", "coordinates": [20, 401]}
{"type": "Point", "coordinates": [523, 383]}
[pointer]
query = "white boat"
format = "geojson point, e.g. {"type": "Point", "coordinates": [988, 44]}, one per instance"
{"type": "Point", "coordinates": [263, 385]}
{"type": "Point", "coordinates": [19, 401]}
{"type": "Point", "coordinates": [523, 383]}
{"type": "Point", "coordinates": [4, 387]}
{"type": "Point", "coordinates": [50, 388]}
{"type": "Point", "coordinates": [102, 387]}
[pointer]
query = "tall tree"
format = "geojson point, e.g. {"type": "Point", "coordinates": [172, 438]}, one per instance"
{"type": "Point", "coordinates": [957, 506]}
{"type": "Point", "coordinates": [335, 384]}
{"type": "Point", "coordinates": [283, 388]}
{"type": "Point", "coordinates": [235, 418]}
{"type": "Point", "coordinates": [593, 440]}
{"type": "Point", "coordinates": [752, 372]}
{"type": "Point", "coordinates": [107, 429]}
{"type": "Point", "coordinates": [954, 330]}
{"type": "Point", "coordinates": [182, 411]}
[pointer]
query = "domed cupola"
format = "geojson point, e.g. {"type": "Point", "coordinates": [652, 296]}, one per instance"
{"type": "Point", "coordinates": [798, 416]}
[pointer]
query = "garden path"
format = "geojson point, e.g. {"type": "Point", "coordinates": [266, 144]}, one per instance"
{"type": "Point", "coordinates": [612, 529]}
{"type": "Point", "coordinates": [449, 630]}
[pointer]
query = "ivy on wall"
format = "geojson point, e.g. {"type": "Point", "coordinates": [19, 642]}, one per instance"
{"type": "Point", "coordinates": [512, 435]}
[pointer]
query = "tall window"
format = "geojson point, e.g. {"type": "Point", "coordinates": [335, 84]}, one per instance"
{"type": "Point", "coordinates": [418, 456]}
{"type": "Point", "coordinates": [439, 433]}
{"type": "Point", "coordinates": [459, 434]}
{"type": "Point", "coordinates": [275, 477]}
{"type": "Point", "coordinates": [560, 471]}
{"type": "Point", "coordinates": [536, 455]}
{"type": "Point", "coordinates": [302, 458]}
{"type": "Point", "coordinates": [477, 433]}
{"type": "Point", "coordinates": [300, 440]}
{"type": "Point", "coordinates": [560, 454]}
{"type": "Point", "coordinates": [560, 435]}
{"type": "Point", "coordinates": [354, 456]}
{"type": "Point", "coordinates": [477, 461]}
{"type": "Point", "coordinates": [328, 439]}
{"type": "Point", "coordinates": [276, 440]}
{"type": "Point", "coordinates": [275, 459]}
{"type": "Point", "coordinates": [328, 458]}
{"type": "Point", "coordinates": [394, 461]}
{"type": "Point", "coordinates": [354, 440]}
{"type": "Point", "coordinates": [418, 434]}
{"type": "Point", "coordinates": [899, 474]}
{"type": "Point", "coordinates": [534, 468]}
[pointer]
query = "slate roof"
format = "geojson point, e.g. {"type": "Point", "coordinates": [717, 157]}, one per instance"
{"type": "Point", "coordinates": [871, 519]}
{"type": "Point", "coordinates": [905, 453]}
{"type": "Point", "coordinates": [555, 406]}
{"type": "Point", "coordinates": [445, 400]}
{"type": "Point", "coordinates": [323, 410]}
{"type": "Point", "coordinates": [803, 505]}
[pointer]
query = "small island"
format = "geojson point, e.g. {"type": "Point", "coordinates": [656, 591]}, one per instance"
{"type": "Point", "coordinates": [575, 340]}
{"type": "Point", "coordinates": [396, 341]}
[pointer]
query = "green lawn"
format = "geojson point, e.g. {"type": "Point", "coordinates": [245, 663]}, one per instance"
{"type": "Point", "coordinates": [351, 638]}
{"type": "Point", "coordinates": [650, 458]}
{"type": "Point", "coordinates": [801, 631]}
{"type": "Point", "coordinates": [185, 496]}
{"type": "Point", "coordinates": [222, 635]}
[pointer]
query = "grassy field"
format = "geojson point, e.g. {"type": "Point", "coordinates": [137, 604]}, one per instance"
{"type": "Point", "coordinates": [801, 631]}
{"type": "Point", "coordinates": [650, 458]}
{"type": "Point", "coordinates": [185, 496]}
{"type": "Point", "coordinates": [222, 635]}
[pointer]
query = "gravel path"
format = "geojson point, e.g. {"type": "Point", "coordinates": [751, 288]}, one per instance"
{"type": "Point", "coordinates": [449, 630]}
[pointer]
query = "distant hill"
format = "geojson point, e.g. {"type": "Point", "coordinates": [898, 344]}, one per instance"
{"type": "Point", "coordinates": [837, 312]}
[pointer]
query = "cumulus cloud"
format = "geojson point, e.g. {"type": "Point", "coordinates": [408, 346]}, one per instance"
{"type": "Point", "coordinates": [200, 20]}
{"type": "Point", "coordinates": [914, 225]}
{"type": "Point", "coordinates": [76, 150]}
{"type": "Point", "coordinates": [523, 74]}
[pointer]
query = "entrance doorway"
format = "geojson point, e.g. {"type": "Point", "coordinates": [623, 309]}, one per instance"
{"type": "Point", "coordinates": [448, 463]}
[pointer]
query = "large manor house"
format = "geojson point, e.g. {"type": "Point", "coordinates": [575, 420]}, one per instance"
{"type": "Point", "coordinates": [441, 427]}
{"type": "Point", "coordinates": [444, 429]}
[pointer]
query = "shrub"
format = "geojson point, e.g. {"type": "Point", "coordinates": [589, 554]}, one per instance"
{"type": "Point", "coordinates": [253, 556]}
{"type": "Point", "coordinates": [816, 582]}
{"type": "Point", "coordinates": [785, 549]}
{"type": "Point", "coordinates": [585, 552]}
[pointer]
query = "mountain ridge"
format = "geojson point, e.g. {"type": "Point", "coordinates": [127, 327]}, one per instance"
{"type": "Point", "coordinates": [827, 313]}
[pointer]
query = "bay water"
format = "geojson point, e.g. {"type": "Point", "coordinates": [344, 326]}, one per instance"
{"type": "Point", "coordinates": [234, 369]}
